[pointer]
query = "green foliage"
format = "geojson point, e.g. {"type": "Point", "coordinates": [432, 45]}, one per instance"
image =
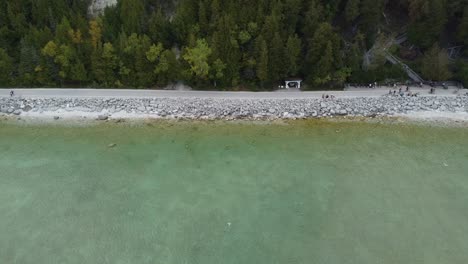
{"type": "Point", "coordinates": [159, 28]}
{"type": "Point", "coordinates": [382, 73]}
{"type": "Point", "coordinates": [352, 10]}
{"type": "Point", "coordinates": [429, 18]}
{"type": "Point", "coordinates": [197, 58]}
{"type": "Point", "coordinates": [462, 32]}
{"type": "Point", "coordinates": [29, 60]}
{"type": "Point", "coordinates": [6, 68]}
{"type": "Point", "coordinates": [323, 57]}
{"type": "Point", "coordinates": [228, 44]}
{"type": "Point", "coordinates": [262, 60]}
{"type": "Point", "coordinates": [95, 32]}
{"type": "Point", "coordinates": [313, 17]}
{"type": "Point", "coordinates": [462, 72]}
{"type": "Point", "coordinates": [435, 64]}
{"type": "Point", "coordinates": [134, 62]}
{"type": "Point", "coordinates": [104, 64]}
{"type": "Point", "coordinates": [292, 56]}
{"type": "Point", "coordinates": [132, 15]}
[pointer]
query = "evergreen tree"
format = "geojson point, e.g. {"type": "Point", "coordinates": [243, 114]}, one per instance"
{"type": "Point", "coordinates": [462, 72]}
{"type": "Point", "coordinates": [277, 63]}
{"type": "Point", "coordinates": [293, 52]}
{"type": "Point", "coordinates": [62, 32]}
{"type": "Point", "coordinates": [352, 10]}
{"type": "Point", "coordinates": [371, 12]}
{"type": "Point", "coordinates": [203, 20]}
{"type": "Point", "coordinates": [324, 48]}
{"type": "Point", "coordinates": [313, 17]}
{"type": "Point", "coordinates": [292, 9]}
{"type": "Point", "coordinates": [104, 65]}
{"type": "Point", "coordinates": [226, 48]}
{"type": "Point", "coordinates": [262, 60]}
{"type": "Point", "coordinates": [29, 60]}
{"type": "Point", "coordinates": [227, 43]}
{"type": "Point", "coordinates": [6, 68]}
{"type": "Point", "coordinates": [132, 15]}
{"type": "Point", "coordinates": [435, 64]}
{"type": "Point", "coordinates": [429, 18]}
{"type": "Point", "coordinates": [111, 24]}
{"type": "Point", "coordinates": [135, 68]}
{"type": "Point", "coordinates": [78, 72]}
{"type": "Point", "coordinates": [215, 11]}
{"type": "Point", "coordinates": [167, 69]}
{"type": "Point", "coordinates": [159, 28]}
{"type": "Point", "coordinates": [185, 20]}
{"type": "Point", "coordinates": [462, 32]}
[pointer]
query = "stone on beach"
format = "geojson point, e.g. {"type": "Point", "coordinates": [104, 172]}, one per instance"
{"type": "Point", "coordinates": [103, 117]}
{"type": "Point", "coordinates": [235, 108]}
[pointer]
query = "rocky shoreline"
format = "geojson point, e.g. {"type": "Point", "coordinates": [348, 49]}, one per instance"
{"type": "Point", "coordinates": [229, 109]}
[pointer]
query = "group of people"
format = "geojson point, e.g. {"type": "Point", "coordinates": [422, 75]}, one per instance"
{"type": "Point", "coordinates": [326, 96]}
{"type": "Point", "coordinates": [386, 84]}
{"type": "Point", "coordinates": [402, 93]}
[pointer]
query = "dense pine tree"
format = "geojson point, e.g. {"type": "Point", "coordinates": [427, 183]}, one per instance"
{"type": "Point", "coordinates": [6, 68]}
{"type": "Point", "coordinates": [217, 43]}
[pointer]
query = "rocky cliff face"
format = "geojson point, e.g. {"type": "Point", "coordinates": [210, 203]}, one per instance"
{"type": "Point", "coordinates": [97, 6]}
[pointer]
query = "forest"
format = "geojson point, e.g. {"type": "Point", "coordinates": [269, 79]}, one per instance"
{"type": "Point", "coordinates": [226, 44]}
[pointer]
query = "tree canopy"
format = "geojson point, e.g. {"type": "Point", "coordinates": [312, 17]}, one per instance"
{"type": "Point", "coordinates": [223, 44]}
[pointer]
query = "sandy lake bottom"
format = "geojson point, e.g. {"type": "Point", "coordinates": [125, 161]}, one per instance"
{"type": "Point", "coordinates": [220, 192]}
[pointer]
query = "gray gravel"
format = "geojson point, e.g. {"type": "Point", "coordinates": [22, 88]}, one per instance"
{"type": "Point", "coordinates": [236, 108]}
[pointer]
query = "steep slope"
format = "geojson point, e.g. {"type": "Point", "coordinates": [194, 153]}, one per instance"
{"type": "Point", "coordinates": [98, 6]}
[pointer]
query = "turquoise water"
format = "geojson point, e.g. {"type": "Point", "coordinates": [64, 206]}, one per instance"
{"type": "Point", "coordinates": [194, 192]}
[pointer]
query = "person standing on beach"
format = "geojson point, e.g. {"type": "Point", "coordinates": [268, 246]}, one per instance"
{"type": "Point", "coordinates": [12, 93]}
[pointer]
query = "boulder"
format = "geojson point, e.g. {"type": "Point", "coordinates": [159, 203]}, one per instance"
{"type": "Point", "coordinates": [103, 117]}
{"type": "Point", "coordinates": [17, 112]}
{"type": "Point", "coordinates": [27, 108]}
{"type": "Point", "coordinates": [343, 112]}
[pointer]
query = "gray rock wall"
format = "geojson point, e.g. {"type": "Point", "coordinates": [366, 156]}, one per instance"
{"type": "Point", "coordinates": [97, 6]}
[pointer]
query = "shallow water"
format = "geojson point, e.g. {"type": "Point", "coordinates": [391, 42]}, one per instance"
{"type": "Point", "coordinates": [195, 192]}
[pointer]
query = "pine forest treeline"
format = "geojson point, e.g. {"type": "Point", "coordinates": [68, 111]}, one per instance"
{"type": "Point", "coordinates": [217, 44]}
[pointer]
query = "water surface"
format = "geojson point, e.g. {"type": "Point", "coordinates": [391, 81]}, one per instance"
{"type": "Point", "coordinates": [195, 192]}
